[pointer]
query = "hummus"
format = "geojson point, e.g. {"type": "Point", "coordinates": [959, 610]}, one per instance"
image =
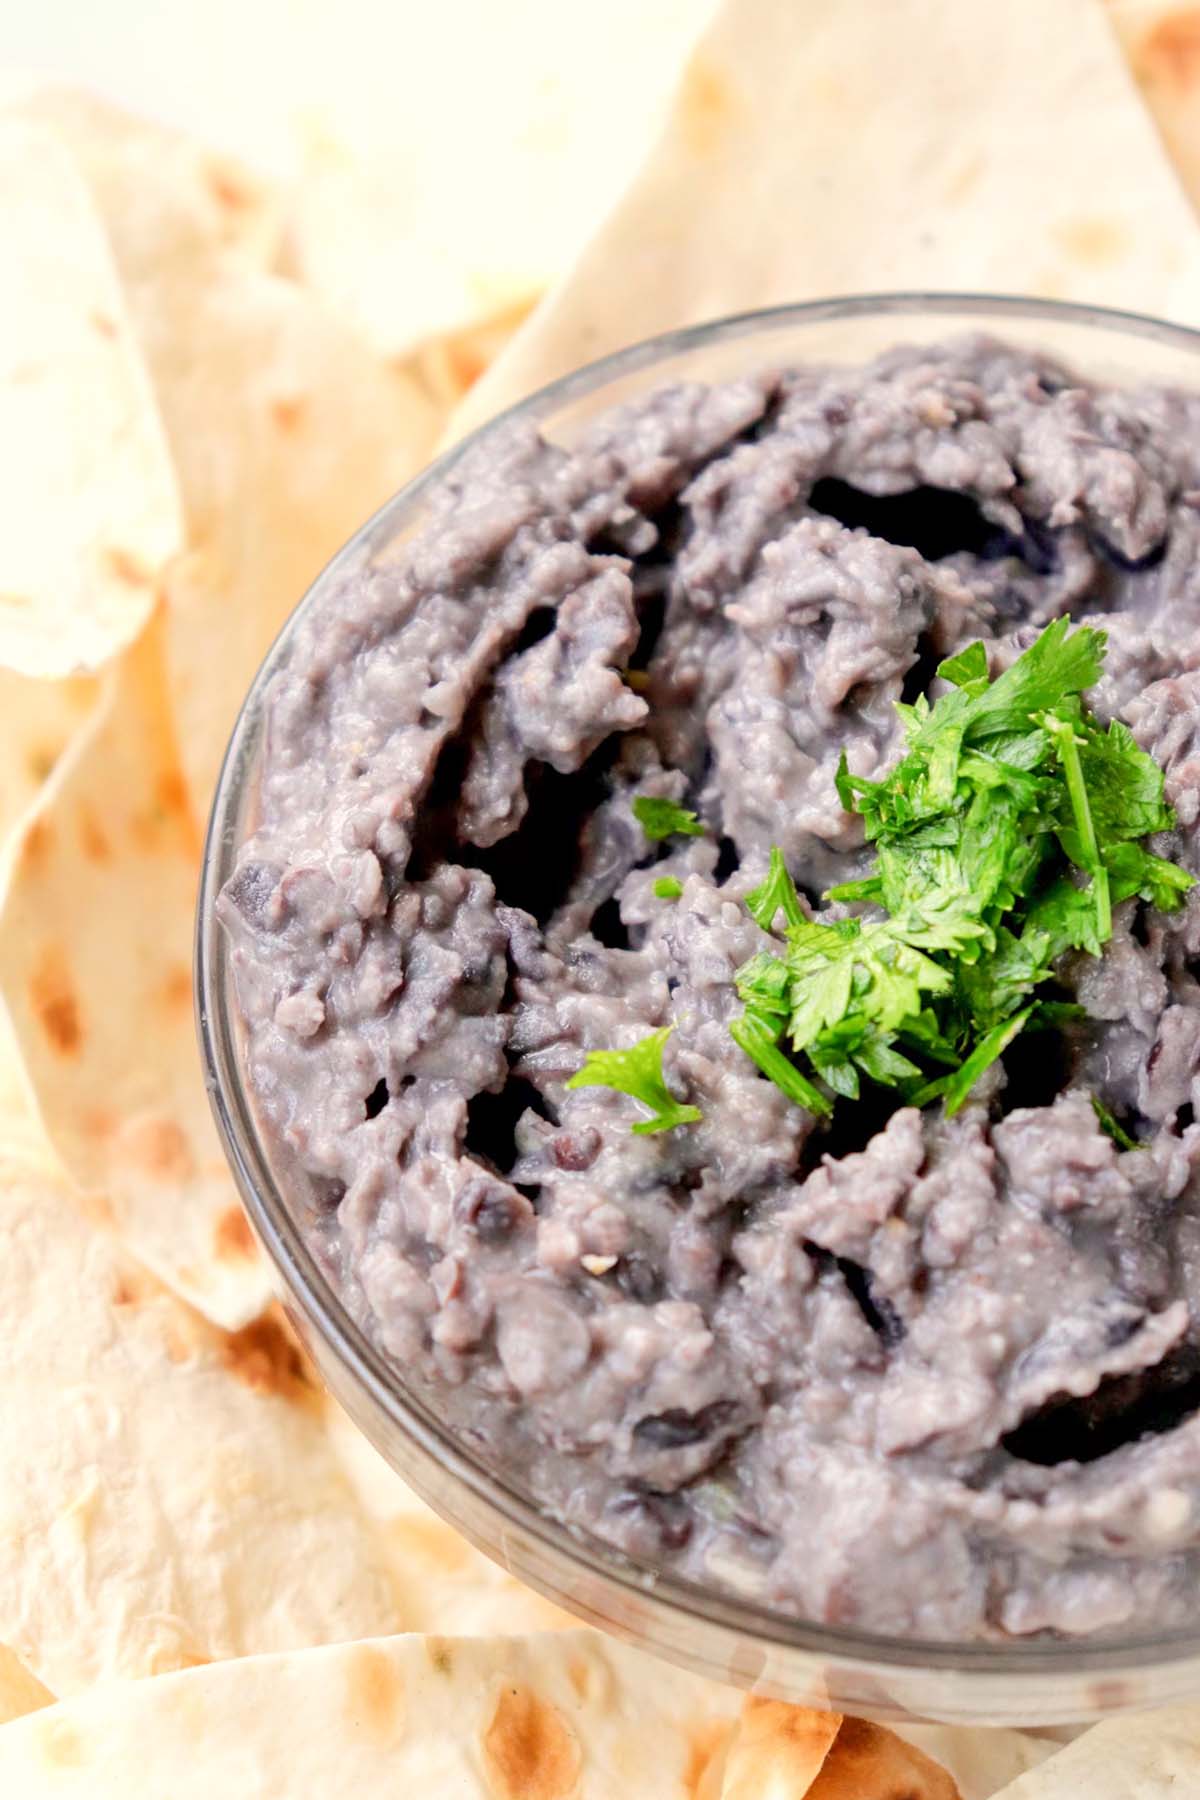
{"type": "Point", "coordinates": [931, 1377]}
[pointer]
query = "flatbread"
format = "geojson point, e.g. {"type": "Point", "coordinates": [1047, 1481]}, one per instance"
{"type": "Point", "coordinates": [287, 433]}
{"type": "Point", "coordinates": [448, 367]}
{"type": "Point", "coordinates": [569, 1716]}
{"type": "Point", "coordinates": [1161, 39]}
{"type": "Point", "coordinates": [96, 971]}
{"type": "Point", "coordinates": [442, 1582]}
{"type": "Point", "coordinates": [158, 191]}
{"type": "Point", "coordinates": [460, 173]}
{"type": "Point", "coordinates": [869, 1760]}
{"type": "Point", "coordinates": [169, 1493]}
{"type": "Point", "coordinates": [787, 1752]}
{"type": "Point", "coordinates": [89, 511]}
{"type": "Point", "coordinates": [1154, 1756]}
{"type": "Point", "coordinates": [40, 720]}
{"type": "Point", "coordinates": [815, 150]}
{"type": "Point", "coordinates": [779, 1751]}
{"type": "Point", "coordinates": [981, 1761]}
{"type": "Point", "coordinates": [20, 1692]}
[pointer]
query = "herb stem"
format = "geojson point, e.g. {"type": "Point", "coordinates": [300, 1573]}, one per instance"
{"type": "Point", "coordinates": [1066, 744]}
{"type": "Point", "coordinates": [776, 1066]}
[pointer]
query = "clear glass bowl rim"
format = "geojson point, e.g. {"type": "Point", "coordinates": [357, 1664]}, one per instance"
{"type": "Point", "coordinates": [312, 1295]}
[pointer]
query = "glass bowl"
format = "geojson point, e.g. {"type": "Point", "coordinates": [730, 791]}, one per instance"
{"type": "Point", "coordinates": [1036, 1682]}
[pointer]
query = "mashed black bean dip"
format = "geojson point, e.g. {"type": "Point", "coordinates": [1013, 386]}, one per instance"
{"type": "Point", "coordinates": [929, 1375]}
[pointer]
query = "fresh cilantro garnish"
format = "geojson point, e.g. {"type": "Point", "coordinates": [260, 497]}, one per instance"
{"type": "Point", "coordinates": [667, 888]}
{"type": "Point", "coordinates": [953, 1089]}
{"type": "Point", "coordinates": [1003, 838]}
{"type": "Point", "coordinates": [1085, 853]}
{"type": "Point", "coordinates": [968, 667]}
{"type": "Point", "coordinates": [1115, 1130]}
{"type": "Point", "coordinates": [776, 894]}
{"type": "Point", "coordinates": [638, 1072]}
{"type": "Point", "coordinates": [663, 819]}
{"type": "Point", "coordinates": [763, 1050]}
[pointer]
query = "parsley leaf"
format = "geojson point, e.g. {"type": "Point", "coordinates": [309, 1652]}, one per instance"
{"type": "Point", "coordinates": [770, 1058]}
{"type": "Point", "coordinates": [954, 1089]}
{"type": "Point", "coordinates": [1087, 850]}
{"type": "Point", "coordinates": [663, 818]}
{"type": "Point", "coordinates": [638, 1072]}
{"type": "Point", "coordinates": [966, 669]}
{"type": "Point", "coordinates": [1114, 1129]}
{"type": "Point", "coordinates": [1124, 784]}
{"type": "Point", "coordinates": [776, 894]}
{"type": "Point", "coordinates": [1002, 839]}
{"type": "Point", "coordinates": [1133, 870]}
{"type": "Point", "coordinates": [1055, 666]}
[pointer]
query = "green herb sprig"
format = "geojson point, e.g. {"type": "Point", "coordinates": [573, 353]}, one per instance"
{"type": "Point", "coordinates": [1003, 838]}
{"type": "Point", "coordinates": [1112, 1127]}
{"type": "Point", "coordinates": [638, 1072]}
{"type": "Point", "coordinates": [663, 818]}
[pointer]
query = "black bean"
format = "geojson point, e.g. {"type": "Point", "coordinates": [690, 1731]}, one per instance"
{"type": "Point", "coordinates": [675, 1429]}
{"type": "Point", "coordinates": [492, 1209]}
{"type": "Point", "coordinates": [669, 1516]}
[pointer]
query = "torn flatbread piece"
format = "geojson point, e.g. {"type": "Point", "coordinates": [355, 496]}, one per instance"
{"type": "Point", "coordinates": [89, 511]}
{"type": "Point", "coordinates": [565, 1716]}
{"type": "Point", "coordinates": [170, 1496]}
{"type": "Point", "coordinates": [792, 166]}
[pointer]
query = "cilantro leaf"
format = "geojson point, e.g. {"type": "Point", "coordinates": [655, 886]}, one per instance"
{"type": "Point", "coordinates": [1066, 744]}
{"type": "Point", "coordinates": [763, 984]}
{"type": "Point", "coordinates": [1066, 914]}
{"type": "Point", "coordinates": [955, 1089]}
{"type": "Point", "coordinates": [992, 988]}
{"type": "Point", "coordinates": [990, 1047]}
{"type": "Point", "coordinates": [775, 894]}
{"type": "Point", "coordinates": [764, 1051]}
{"type": "Point", "coordinates": [884, 1063]}
{"type": "Point", "coordinates": [1133, 870]}
{"type": "Point", "coordinates": [1058, 663]}
{"type": "Point", "coordinates": [968, 668]}
{"type": "Point", "coordinates": [1112, 1127]}
{"type": "Point", "coordinates": [929, 893]}
{"type": "Point", "coordinates": [660, 818]}
{"type": "Point", "coordinates": [925, 1035]}
{"type": "Point", "coordinates": [638, 1072]}
{"type": "Point", "coordinates": [1002, 839]}
{"type": "Point", "coordinates": [843, 781]}
{"type": "Point", "coordinates": [873, 964]}
{"type": "Point", "coordinates": [1124, 784]}
{"type": "Point", "coordinates": [836, 1071]}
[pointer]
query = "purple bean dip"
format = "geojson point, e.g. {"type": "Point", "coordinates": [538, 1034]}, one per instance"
{"type": "Point", "coordinates": [930, 1377]}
